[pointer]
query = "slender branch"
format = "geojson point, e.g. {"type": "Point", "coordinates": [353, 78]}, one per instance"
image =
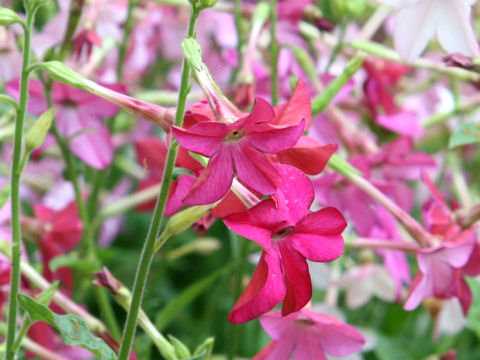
{"type": "Point", "coordinates": [10, 100]}
{"type": "Point", "coordinates": [148, 248]}
{"type": "Point", "coordinates": [122, 51]}
{"type": "Point", "coordinates": [274, 50]}
{"type": "Point", "coordinates": [368, 243]}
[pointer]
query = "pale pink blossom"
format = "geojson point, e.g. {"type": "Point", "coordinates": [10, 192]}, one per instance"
{"type": "Point", "coordinates": [417, 21]}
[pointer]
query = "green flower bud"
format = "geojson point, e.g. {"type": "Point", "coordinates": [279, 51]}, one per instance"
{"type": "Point", "coordinates": [180, 348]}
{"type": "Point", "coordinates": [205, 348]}
{"type": "Point", "coordinates": [8, 17]}
{"type": "Point", "coordinates": [36, 135]}
{"type": "Point", "coordinates": [202, 4]}
{"type": "Point", "coordinates": [182, 220]}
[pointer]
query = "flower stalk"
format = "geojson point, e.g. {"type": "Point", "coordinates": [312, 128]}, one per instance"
{"type": "Point", "coordinates": [148, 248]}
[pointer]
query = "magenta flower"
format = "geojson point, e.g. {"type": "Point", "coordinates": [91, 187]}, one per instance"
{"type": "Point", "coordinates": [60, 232]}
{"type": "Point", "coordinates": [238, 148]}
{"type": "Point", "coordinates": [289, 234]}
{"type": "Point", "coordinates": [307, 335]}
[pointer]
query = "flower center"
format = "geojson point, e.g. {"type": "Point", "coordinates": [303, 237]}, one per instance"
{"type": "Point", "coordinates": [282, 234]}
{"type": "Point", "coordinates": [234, 136]}
{"type": "Point", "coordinates": [69, 103]}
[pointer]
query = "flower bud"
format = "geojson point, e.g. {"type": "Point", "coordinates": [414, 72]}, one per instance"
{"type": "Point", "coordinates": [182, 220]}
{"type": "Point", "coordinates": [202, 4]}
{"type": "Point", "coordinates": [37, 133]}
{"type": "Point", "coordinates": [8, 17]}
{"type": "Point", "coordinates": [181, 349]}
{"type": "Point", "coordinates": [204, 349]}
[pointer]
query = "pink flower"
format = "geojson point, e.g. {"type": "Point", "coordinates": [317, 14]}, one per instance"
{"type": "Point", "coordinates": [442, 268]}
{"type": "Point", "coordinates": [288, 233]}
{"type": "Point", "coordinates": [78, 118]}
{"type": "Point", "coordinates": [238, 148]}
{"type": "Point", "coordinates": [306, 335]}
{"type": "Point", "coordinates": [417, 21]}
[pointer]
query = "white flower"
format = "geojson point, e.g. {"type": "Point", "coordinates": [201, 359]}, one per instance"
{"type": "Point", "coordinates": [417, 21]}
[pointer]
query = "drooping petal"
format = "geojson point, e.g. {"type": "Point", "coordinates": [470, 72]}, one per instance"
{"type": "Point", "coordinates": [308, 155]}
{"type": "Point", "coordinates": [336, 337]}
{"type": "Point", "coordinates": [454, 30]}
{"type": "Point", "coordinates": [95, 149]}
{"type": "Point", "coordinates": [258, 223]}
{"type": "Point", "coordinates": [415, 26]}
{"type": "Point", "coordinates": [404, 123]}
{"type": "Point", "coordinates": [214, 182]}
{"type": "Point", "coordinates": [296, 193]}
{"type": "Point", "coordinates": [254, 169]}
{"type": "Point", "coordinates": [265, 290]}
{"type": "Point", "coordinates": [178, 191]}
{"type": "Point", "coordinates": [298, 107]}
{"type": "Point", "coordinates": [297, 280]}
{"type": "Point", "coordinates": [151, 154]}
{"type": "Point", "coordinates": [318, 235]}
{"type": "Point", "coordinates": [420, 289]}
{"type": "Point", "coordinates": [277, 139]}
{"type": "Point", "coordinates": [204, 138]}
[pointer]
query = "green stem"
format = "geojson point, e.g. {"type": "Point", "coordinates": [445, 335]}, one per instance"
{"type": "Point", "coordinates": [122, 51]}
{"type": "Point", "coordinates": [238, 17]}
{"type": "Point", "coordinates": [274, 51]}
{"type": "Point", "coordinates": [148, 248]}
{"type": "Point", "coordinates": [15, 186]}
{"type": "Point", "coordinates": [73, 19]}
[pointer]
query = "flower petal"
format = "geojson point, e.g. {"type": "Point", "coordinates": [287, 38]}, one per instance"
{"type": "Point", "coordinates": [204, 138]}
{"type": "Point", "coordinates": [297, 280]}
{"type": "Point", "coordinates": [308, 155]}
{"type": "Point", "coordinates": [265, 290]}
{"type": "Point", "coordinates": [254, 169]}
{"type": "Point", "coordinates": [276, 139]}
{"type": "Point", "coordinates": [296, 194]}
{"type": "Point", "coordinates": [214, 182]}
{"type": "Point", "coordinates": [258, 223]}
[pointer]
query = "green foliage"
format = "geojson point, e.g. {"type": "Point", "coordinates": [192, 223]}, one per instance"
{"type": "Point", "coordinates": [465, 134]}
{"type": "Point", "coordinates": [73, 329]}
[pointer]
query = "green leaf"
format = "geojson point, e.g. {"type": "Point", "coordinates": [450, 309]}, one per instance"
{"type": "Point", "coordinates": [473, 318]}
{"type": "Point", "coordinates": [465, 134]}
{"type": "Point", "coordinates": [46, 296]}
{"type": "Point", "coordinates": [73, 329]}
{"type": "Point", "coordinates": [176, 306]}
{"type": "Point", "coordinates": [72, 261]}
{"type": "Point", "coordinates": [181, 349]}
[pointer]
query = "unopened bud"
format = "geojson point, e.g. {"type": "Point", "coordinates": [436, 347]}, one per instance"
{"type": "Point", "coordinates": [8, 17]}
{"type": "Point", "coordinates": [181, 349]}
{"type": "Point", "coordinates": [202, 4]}
{"type": "Point", "coordinates": [37, 133]}
{"type": "Point", "coordinates": [182, 220]}
{"type": "Point", "coordinates": [205, 348]}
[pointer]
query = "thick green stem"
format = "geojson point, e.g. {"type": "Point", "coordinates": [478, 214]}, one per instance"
{"type": "Point", "coordinates": [15, 186]}
{"type": "Point", "coordinates": [148, 248]}
{"type": "Point", "coordinates": [274, 51]}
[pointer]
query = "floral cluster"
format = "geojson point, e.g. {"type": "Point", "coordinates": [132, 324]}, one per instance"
{"type": "Point", "coordinates": [306, 167]}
